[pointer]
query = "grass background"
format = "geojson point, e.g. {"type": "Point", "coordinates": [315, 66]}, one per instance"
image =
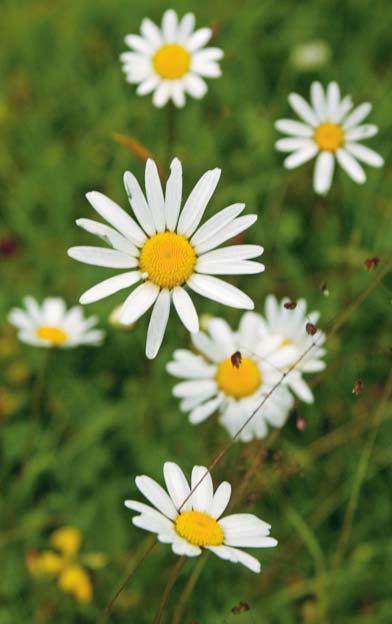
{"type": "Point", "coordinates": [69, 450]}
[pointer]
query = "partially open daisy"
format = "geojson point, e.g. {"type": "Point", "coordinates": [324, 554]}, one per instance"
{"type": "Point", "coordinates": [52, 325]}
{"type": "Point", "coordinates": [330, 130]}
{"type": "Point", "coordinates": [191, 522]}
{"type": "Point", "coordinates": [236, 389]}
{"type": "Point", "coordinates": [171, 60]}
{"type": "Point", "coordinates": [167, 250]}
{"type": "Point", "coordinates": [290, 326]}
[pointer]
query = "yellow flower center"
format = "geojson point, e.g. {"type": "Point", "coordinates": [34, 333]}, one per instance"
{"type": "Point", "coordinates": [168, 259]}
{"type": "Point", "coordinates": [238, 382]}
{"type": "Point", "coordinates": [171, 61]}
{"type": "Point", "coordinates": [329, 136]}
{"type": "Point", "coordinates": [199, 528]}
{"type": "Point", "coordinates": [286, 342]}
{"type": "Point", "coordinates": [55, 335]}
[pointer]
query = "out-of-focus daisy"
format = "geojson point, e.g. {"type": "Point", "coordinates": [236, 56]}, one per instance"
{"type": "Point", "coordinates": [214, 381]}
{"type": "Point", "coordinates": [330, 130]}
{"type": "Point", "coordinates": [167, 250]}
{"type": "Point", "coordinates": [171, 60]}
{"type": "Point", "coordinates": [290, 326]}
{"type": "Point", "coordinates": [52, 325]}
{"type": "Point", "coordinates": [66, 563]}
{"type": "Point", "coordinates": [310, 55]}
{"type": "Point", "coordinates": [190, 524]}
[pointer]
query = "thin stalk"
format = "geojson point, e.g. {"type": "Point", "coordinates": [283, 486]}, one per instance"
{"type": "Point", "coordinates": [168, 589]}
{"type": "Point", "coordinates": [188, 590]}
{"type": "Point", "coordinates": [171, 134]}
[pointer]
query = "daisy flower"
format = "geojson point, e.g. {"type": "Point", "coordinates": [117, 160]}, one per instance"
{"type": "Point", "coordinates": [167, 250]}
{"type": "Point", "coordinates": [330, 130]}
{"type": "Point", "coordinates": [290, 326]}
{"type": "Point", "coordinates": [171, 60]}
{"type": "Point", "coordinates": [190, 522]}
{"type": "Point", "coordinates": [213, 382]}
{"type": "Point", "coordinates": [52, 325]}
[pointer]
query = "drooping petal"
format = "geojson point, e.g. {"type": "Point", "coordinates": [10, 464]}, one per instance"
{"type": "Point", "coordinates": [158, 322]}
{"type": "Point", "coordinates": [185, 309]}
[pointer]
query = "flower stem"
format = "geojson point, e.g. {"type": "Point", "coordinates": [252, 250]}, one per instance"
{"type": "Point", "coordinates": [168, 589]}
{"type": "Point", "coordinates": [171, 133]}
{"type": "Point", "coordinates": [189, 587]}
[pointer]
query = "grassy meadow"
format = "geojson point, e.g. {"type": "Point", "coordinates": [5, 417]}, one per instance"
{"type": "Point", "coordinates": [77, 426]}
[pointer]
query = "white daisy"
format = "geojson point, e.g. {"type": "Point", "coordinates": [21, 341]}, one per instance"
{"type": "Point", "coordinates": [167, 250]}
{"type": "Point", "coordinates": [330, 130]}
{"type": "Point", "coordinates": [190, 522]}
{"type": "Point", "coordinates": [52, 325]}
{"type": "Point", "coordinates": [171, 60]}
{"type": "Point", "coordinates": [290, 326]}
{"type": "Point", "coordinates": [213, 382]}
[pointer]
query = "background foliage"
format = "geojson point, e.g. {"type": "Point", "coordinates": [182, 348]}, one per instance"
{"type": "Point", "coordinates": [71, 446]}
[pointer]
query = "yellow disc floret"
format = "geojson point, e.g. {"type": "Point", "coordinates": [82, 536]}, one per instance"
{"type": "Point", "coordinates": [329, 136]}
{"type": "Point", "coordinates": [199, 528]}
{"type": "Point", "coordinates": [238, 382]}
{"type": "Point", "coordinates": [171, 61]}
{"type": "Point", "coordinates": [168, 259]}
{"type": "Point", "coordinates": [55, 335]}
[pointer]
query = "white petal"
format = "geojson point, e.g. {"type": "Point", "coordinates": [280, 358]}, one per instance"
{"type": "Point", "coordinates": [216, 223]}
{"type": "Point", "coordinates": [252, 542]}
{"type": "Point", "coordinates": [345, 106]}
{"type": "Point", "coordinates": [209, 54]}
{"type": "Point", "coordinates": [138, 43]}
{"type": "Point", "coordinates": [185, 27]}
{"type": "Point", "coordinates": [100, 256]}
{"type": "Point", "coordinates": [148, 85]}
{"type": "Point", "coordinates": [138, 202]}
{"type": "Point", "coordinates": [207, 69]}
{"type": "Point", "coordinates": [157, 522]}
{"type": "Point", "coordinates": [181, 547]}
{"type": "Point", "coordinates": [244, 525]}
{"type": "Point", "coordinates": [157, 325]}
{"type": "Point", "coordinates": [221, 499]}
{"type": "Point", "coordinates": [173, 194]}
{"type": "Point", "coordinates": [185, 309]}
{"type": "Point", "coordinates": [198, 39]}
{"type": "Point", "coordinates": [138, 302]}
{"type": "Point", "coordinates": [162, 94]}
{"type": "Point", "coordinates": [109, 235]}
{"type": "Point", "coordinates": [195, 85]}
{"type": "Point", "coordinates": [236, 556]}
{"type": "Point", "coordinates": [365, 154]}
{"type": "Point", "coordinates": [202, 489]}
{"type": "Point", "coordinates": [301, 156]}
{"type": "Point", "coordinates": [224, 267]}
{"type": "Point", "coordinates": [178, 93]}
{"type": "Point", "coordinates": [357, 116]}
{"type": "Point", "coordinates": [157, 496]}
{"type": "Point", "coordinates": [169, 25]}
{"type": "Point", "coordinates": [151, 32]}
{"type": "Point", "coordinates": [226, 233]}
{"type": "Point", "coordinates": [300, 387]}
{"type": "Point", "coordinates": [194, 388]}
{"type": "Point", "coordinates": [220, 291]}
{"type": "Point", "coordinates": [110, 286]}
{"type": "Point", "coordinates": [155, 197]}
{"type": "Point", "coordinates": [117, 217]}
{"type": "Point", "coordinates": [351, 166]}
{"type": "Point", "coordinates": [361, 132]}
{"type": "Point", "coordinates": [234, 253]}
{"type": "Point", "coordinates": [295, 128]}
{"type": "Point", "coordinates": [317, 98]}
{"type": "Point", "coordinates": [323, 172]}
{"type": "Point", "coordinates": [197, 201]}
{"type": "Point", "coordinates": [20, 319]}
{"type": "Point", "coordinates": [177, 486]}
{"type": "Point", "coordinates": [208, 347]}
{"type": "Point", "coordinates": [221, 332]}
{"type": "Point", "coordinates": [202, 412]}
{"type": "Point", "coordinates": [333, 101]}
{"type": "Point", "coordinates": [303, 110]}
{"type": "Point", "coordinates": [33, 308]}
{"type": "Point", "coordinates": [293, 144]}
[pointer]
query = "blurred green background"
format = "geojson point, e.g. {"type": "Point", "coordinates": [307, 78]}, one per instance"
{"type": "Point", "coordinates": [71, 447]}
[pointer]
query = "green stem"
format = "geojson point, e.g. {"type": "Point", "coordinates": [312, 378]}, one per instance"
{"type": "Point", "coordinates": [188, 590]}
{"type": "Point", "coordinates": [168, 589]}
